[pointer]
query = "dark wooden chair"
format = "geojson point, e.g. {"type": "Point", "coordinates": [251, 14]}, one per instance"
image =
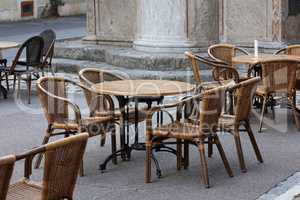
{"type": "Point", "coordinates": [49, 38]}
{"type": "Point", "coordinates": [201, 131]}
{"type": "Point", "coordinates": [53, 96]}
{"type": "Point", "coordinates": [33, 62]}
{"type": "Point", "coordinates": [62, 162]}
{"type": "Point", "coordinates": [7, 164]}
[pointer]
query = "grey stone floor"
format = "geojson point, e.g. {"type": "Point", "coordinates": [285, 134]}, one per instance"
{"type": "Point", "coordinates": [22, 127]}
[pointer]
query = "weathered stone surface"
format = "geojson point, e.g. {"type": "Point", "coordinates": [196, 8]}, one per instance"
{"type": "Point", "coordinates": [245, 21]}
{"type": "Point", "coordinates": [121, 56]}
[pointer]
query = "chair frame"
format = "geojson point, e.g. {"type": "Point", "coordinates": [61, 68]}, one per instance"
{"type": "Point", "coordinates": [29, 73]}
{"type": "Point", "coordinates": [234, 49]}
{"type": "Point", "coordinates": [75, 108]}
{"type": "Point", "coordinates": [212, 138]}
{"type": "Point", "coordinates": [47, 149]}
{"type": "Point", "coordinates": [6, 162]}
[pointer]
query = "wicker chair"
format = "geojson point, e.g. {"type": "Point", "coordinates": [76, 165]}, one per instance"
{"type": "Point", "coordinates": [292, 50]}
{"type": "Point", "coordinates": [49, 38]}
{"type": "Point", "coordinates": [221, 72]}
{"type": "Point", "coordinates": [33, 62]}
{"type": "Point", "coordinates": [201, 131]}
{"type": "Point", "coordinates": [278, 77]}
{"type": "Point", "coordinates": [243, 93]}
{"type": "Point", "coordinates": [62, 162]}
{"type": "Point", "coordinates": [225, 52]}
{"type": "Point", "coordinates": [7, 164]}
{"type": "Point", "coordinates": [52, 93]}
{"type": "Point", "coordinates": [90, 76]}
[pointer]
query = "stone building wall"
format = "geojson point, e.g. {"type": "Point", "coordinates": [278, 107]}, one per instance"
{"type": "Point", "coordinates": [171, 25]}
{"type": "Point", "coordinates": [10, 10]}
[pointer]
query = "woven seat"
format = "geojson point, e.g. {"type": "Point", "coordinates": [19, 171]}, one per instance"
{"type": "Point", "coordinates": [52, 93]}
{"type": "Point", "coordinates": [62, 162]}
{"type": "Point", "coordinates": [185, 131]}
{"type": "Point", "coordinates": [25, 190]}
{"type": "Point", "coordinates": [227, 121]}
{"type": "Point", "coordinates": [199, 132]}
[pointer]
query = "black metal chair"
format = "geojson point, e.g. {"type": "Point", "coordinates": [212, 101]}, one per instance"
{"type": "Point", "coordinates": [49, 38]}
{"type": "Point", "coordinates": [30, 66]}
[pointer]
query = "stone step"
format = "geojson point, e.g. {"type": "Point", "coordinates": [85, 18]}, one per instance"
{"type": "Point", "coordinates": [121, 56]}
{"type": "Point", "coordinates": [74, 66]}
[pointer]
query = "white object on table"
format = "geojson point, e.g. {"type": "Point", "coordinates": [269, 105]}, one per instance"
{"type": "Point", "coordinates": [255, 48]}
{"type": "Point", "coordinates": [7, 45]}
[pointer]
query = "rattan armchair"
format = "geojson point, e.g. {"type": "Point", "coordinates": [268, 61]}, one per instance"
{"type": "Point", "coordinates": [221, 72]}
{"type": "Point", "coordinates": [225, 52]}
{"type": "Point", "coordinates": [201, 131]}
{"type": "Point", "coordinates": [7, 164]}
{"type": "Point", "coordinates": [91, 76]}
{"type": "Point", "coordinates": [278, 78]}
{"type": "Point", "coordinates": [62, 163]}
{"type": "Point", "coordinates": [243, 93]}
{"type": "Point", "coordinates": [292, 50]}
{"type": "Point", "coordinates": [53, 96]}
{"type": "Point", "coordinates": [49, 38]}
{"type": "Point", "coordinates": [32, 63]}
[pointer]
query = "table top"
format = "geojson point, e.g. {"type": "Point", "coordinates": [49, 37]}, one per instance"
{"type": "Point", "coordinates": [8, 45]}
{"type": "Point", "coordinates": [138, 88]}
{"type": "Point", "coordinates": [251, 59]}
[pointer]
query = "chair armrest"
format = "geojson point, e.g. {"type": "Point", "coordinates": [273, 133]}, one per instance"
{"type": "Point", "coordinates": [74, 107]}
{"type": "Point", "coordinates": [280, 51]}
{"type": "Point", "coordinates": [28, 156]}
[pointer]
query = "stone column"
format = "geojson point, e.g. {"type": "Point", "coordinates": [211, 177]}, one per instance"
{"type": "Point", "coordinates": [162, 26]}
{"type": "Point", "coordinates": [91, 21]}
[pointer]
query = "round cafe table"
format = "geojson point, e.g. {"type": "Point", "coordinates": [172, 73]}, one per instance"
{"type": "Point", "coordinates": [252, 60]}
{"type": "Point", "coordinates": [5, 45]}
{"type": "Point", "coordinates": [124, 90]}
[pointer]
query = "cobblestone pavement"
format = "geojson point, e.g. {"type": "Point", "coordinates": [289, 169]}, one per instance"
{"type": "Point", "coordinates": [23, 126]}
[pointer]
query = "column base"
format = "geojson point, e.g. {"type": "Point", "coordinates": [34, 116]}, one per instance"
{"type": "Point", "coordinates": [163, 46]}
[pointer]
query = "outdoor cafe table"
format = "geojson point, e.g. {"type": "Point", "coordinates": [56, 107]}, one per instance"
{"type": "Point", "coordinates": [5, 45]}
{"type": "Point", "coordinates": [124, 90]}
{"type": "Point", "coordinates": [252, 60]}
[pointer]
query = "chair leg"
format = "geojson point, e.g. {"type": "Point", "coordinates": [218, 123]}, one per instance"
{"type": "Point", "coordinates": [204, 167]}
{"type": "Point", "coordinates": [114, 145]}
{"type": "Point", "coordinates": [14, 83]}
{"type": "Point", "coordinates": [253, 142]}
{"type": "Point", "coordinates": [19, 86]}
{"type": "Point", "coordinates": [186, 154]}
{"type": "Point", "coordinates": [223, 156]}
{"type": "Point", "coordinates": [45, 141]}
{"type": "Point", "coordinates": [179, 153]}
{"type": "Point", "coordinates": [210, 147]}
{"type": "Point", "coordinates": [262, 114]}
{"type": "Point", "coordinates": [7, 83]}
{"type": "Point", "coordinates": [148, 160]}
{"type": "Point", "coordinates": [102, 140]}
{"type": "Point", "coordinates": [81, 169]}
{"type": "Point", "coordinates": [295, 113]}
{"type": "Point", "coordinates": [28, 81]}
{"type": "Point", "coordinates": [238, 144]}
